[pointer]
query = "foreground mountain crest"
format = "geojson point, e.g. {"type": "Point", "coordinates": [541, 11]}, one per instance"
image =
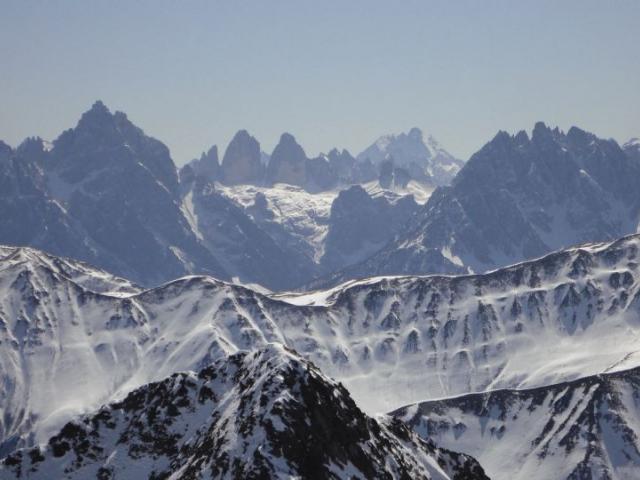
{"type": "Point", "coordinates": [263, 414]}
{"type": "Point", "coordinates": [586, 428]}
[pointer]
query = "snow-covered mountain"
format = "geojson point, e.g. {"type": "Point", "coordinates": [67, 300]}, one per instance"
{"type": "Point", "coordinates": [392, 341]}
{"type": "Point", "coordinates": [424, 159]}
{"type": "Point", "coordinates": [517, 198]}
{"type": "Point", "coordinates": [585, 428]}
{"type": "Point", "coordinates": [269, 406]}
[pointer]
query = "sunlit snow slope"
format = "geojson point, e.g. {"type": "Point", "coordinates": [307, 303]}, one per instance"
{"type": "Point", "coordinates": [255, 415]}
{"type": "Point", "coordinates": [392, 341]}
{"type": "Point", "coordinates": [586, 428]}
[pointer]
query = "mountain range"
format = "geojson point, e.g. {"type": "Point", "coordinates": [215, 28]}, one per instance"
{"type": "Point", "coordinates": [517, 198]}
{"type": "Point", "coordinates": [104, 192]}
{"type": "Point", "coordinates": [75, 338]}
{"type": "Point", "coordinates": [394, 314]}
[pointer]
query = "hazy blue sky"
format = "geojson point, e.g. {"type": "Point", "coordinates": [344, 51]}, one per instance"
{"type": "Point", "coordinates": [333, 73]}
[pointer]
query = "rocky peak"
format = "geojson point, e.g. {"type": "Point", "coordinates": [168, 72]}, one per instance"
{"type": "Point", "coordinates": [5, 151]}
{"type": "Point", "coordinates": [33, 148]}
{"type": "Point", "coordinates": [97, 111]}
{"type": "Point", "coordinates": [242, 163]}
{"type": "Point", "coordinates": [415, 134]}
{"type": "Point", "coordinates": [209, 160]}
{"type": "Point", "coordinates": [579, 138]}
{"type": "Point", "coordinates": [288, 162]}
{"type": "Point", "coordinates": [102, 140]}
{"type": "Point", "coordinates": [521, 138]}
{"type": "Point", "coordinates": [542, 134]}
{"type": "Point", "coordinates": [208, 165]}
{"type": "Point", "coordinates": [286, 416]}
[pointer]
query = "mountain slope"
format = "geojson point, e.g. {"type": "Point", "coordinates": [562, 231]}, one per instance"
{"type": "Point", "coordinates": [392, 341]}
{"type": "Point", "coordinates": [270, 406]}
{"type": "Point", "coordinates": [586, 428]}
{"type": "Point", "coordinates": [105, 193]}
{"type": "Point", "coordinates": [249, 252]}
{"type": "Point", "coordinates": [325, 230]}
{"type": "Point", "coordinates": [517, 198]}
{"type": "Point", "coordinates": [84, 275]}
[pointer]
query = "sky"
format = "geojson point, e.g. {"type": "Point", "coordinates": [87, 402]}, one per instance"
{"type": "Point", "coordinates": [332, 73]}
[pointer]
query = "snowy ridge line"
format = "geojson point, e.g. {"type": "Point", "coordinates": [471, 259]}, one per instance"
{"type": "Point", "coordinates": [296, 297]}
{"type": "Point", "coordinates": [584, 428]}
{"type": "Point", "coordinates": [269, 405]}
{"type": "Point", "coordinates": [519, 391]}
{"type": "Point", "coordinates": [571, 314]}
{"type": "Point", "coordinates": [71, 269]}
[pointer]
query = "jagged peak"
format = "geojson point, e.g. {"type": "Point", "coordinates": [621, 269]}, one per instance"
{"type": "Point", "coordinates": [285, 402]}
{"type": "Point", "coordinates": [242, 139]}
{"type": "Point", "coordinates": [243, 136]}
{"type": "Point", "coordinates": [99, 106]}
{"type": "Point", "coordinates": [501, 137]}
{"type": "Point", "coordinates": [346, 152]}
{"type": "Point", "coordinates": [99, 117]}
{"type": "Point", "coordinates": [415, 134]}
{"type": "Point", "coordinates": [577, 135]}
{"type": "Point", "coordinates": [287, 138]}
{"type": "Point", "coordinates": [540, 132]}
{"type": "Point", "coordinates": [32, 145]}
{"type": "Point", "coordinates": [521, 137]}
{"type": "Point", "coordinates": [289, 147]}
{"type": "Point", "coordinates": [97, 112]}
{"type": "Point", "coordinates": [211, 153]}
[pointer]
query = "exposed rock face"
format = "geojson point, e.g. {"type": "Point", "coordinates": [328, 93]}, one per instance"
{"type": "Point", "coordinates": [519, 198]}
{"type": "Point", "coordinates": [248, 251]}
{"type": "Point", "coordinates": [343, 163]}
{"type": "Point", "coordinates": [104, 193]}
{"type": "Point", "coordinates": [205, 168]}
{"type": "Point", "coordinates": [242, 162]}
{"type": "Point", "coordinates": [270, 406]}
{"type": "Point", "coordinates": [5, 151]}
{"type": "Point", "coordinates": [585, 428]}
{"type": "Point", "coordinates": [320, 175]}
{"type": "Point", "coordinates": [122, 188]}
{"type": "Point", "coordinates": [30, 215]}
{"type": "Point", "coordinates": [287, 163]}
{"type": "Point", "coordinates": [360, 224]}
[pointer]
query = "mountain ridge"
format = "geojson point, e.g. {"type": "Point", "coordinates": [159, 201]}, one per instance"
{"type": "Point", "coordinates": [269, 405]}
